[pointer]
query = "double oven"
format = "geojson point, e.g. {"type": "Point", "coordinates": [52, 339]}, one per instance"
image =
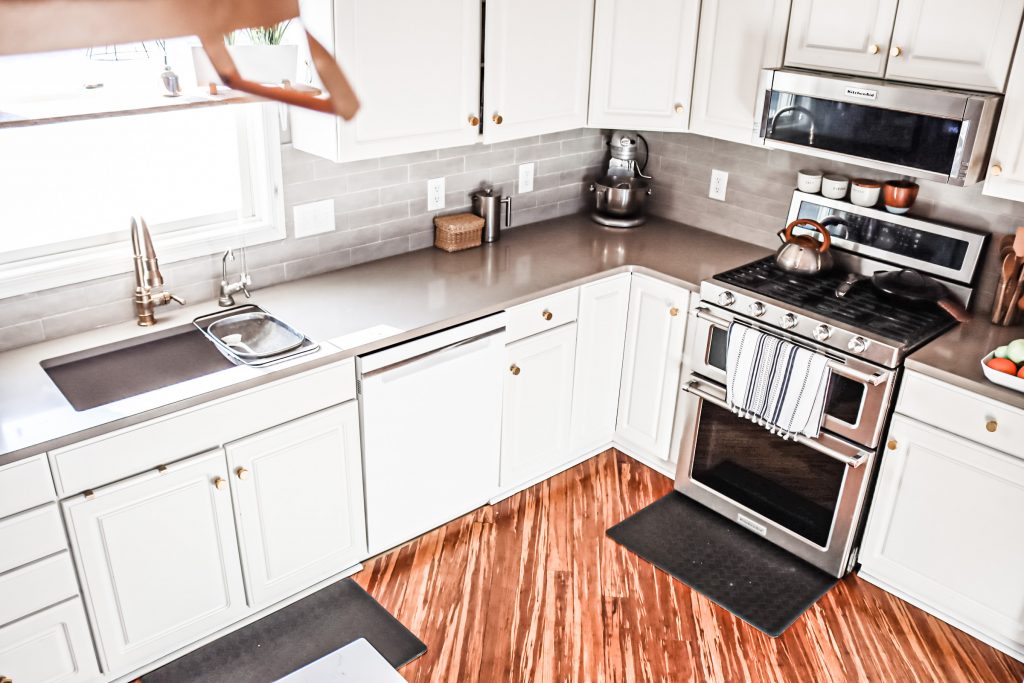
{"type": "Point", "coordinates": [804, 494]}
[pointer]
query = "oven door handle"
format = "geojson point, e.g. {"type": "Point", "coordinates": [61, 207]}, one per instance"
{"type": "Point", "coordinates": [704, 313]}
{"type": "Point", "coordinates": [694, 387]}
{"type": "Point", "coordinates": [842, 370]}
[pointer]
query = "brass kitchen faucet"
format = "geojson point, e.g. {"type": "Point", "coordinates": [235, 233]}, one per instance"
{"type": "Point", "coordinates": [147, 276]}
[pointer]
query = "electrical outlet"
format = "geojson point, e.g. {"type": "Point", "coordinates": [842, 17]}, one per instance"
{"type": "Point", "coordinates": [435, 194]}
{"type": "Point", "coordinates": [719, 181]}
{"type": "Point", "coordinates": [313, 218]}
{"type": "Point", "coordinates": [525, 178]}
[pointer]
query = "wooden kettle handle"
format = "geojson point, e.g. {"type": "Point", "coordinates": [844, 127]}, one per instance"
{"type": "Point", "coordinates": [826, 241]}
{"type": "Point", "coordinates": [340, 100]}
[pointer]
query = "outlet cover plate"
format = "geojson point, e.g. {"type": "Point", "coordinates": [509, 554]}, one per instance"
{"type": "Point", "coordinates": [435, 194]}
{"type": "Point", "coordinates": [719, 183]}
{"type": "Point", "coordinates": [526, 178]}
{"type": "Point", "coordinates": [313, 218]}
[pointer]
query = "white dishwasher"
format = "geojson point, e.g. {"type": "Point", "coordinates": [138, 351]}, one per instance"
{"type": "Point", "coordinates": [431, 429]}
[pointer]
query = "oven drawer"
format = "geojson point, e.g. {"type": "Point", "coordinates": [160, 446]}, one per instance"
{"type": "Point", "coordinates": [961, 412]}
{"type": "Point", "coordinates": [545, 313]}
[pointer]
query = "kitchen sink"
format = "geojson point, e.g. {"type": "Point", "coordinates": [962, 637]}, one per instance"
{"type": "Point", "coordinates": [112, 372]}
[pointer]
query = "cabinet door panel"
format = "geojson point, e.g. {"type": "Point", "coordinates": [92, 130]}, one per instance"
{"type": "Point", "coordinates": [415, 67]}
{"type": "Point", "coordinates": [944, 526]}
{"type": "Point", "coordinates": [737, 39]}
{"type": "Point", "coordinates": [600, 338]}
{"type": "Point", "coordinates": [158, 559]}
{"type": "Point", "coordinates": [300, 504]}
{"type": "Point", "coordinates": [1006, 171]}
{"type": "Point", "coordinates": [536, 67]}
{"type": "Point", "coordinates": [642, 64]}
{"type": "Point", "coordinates": [51, 646]}
{"type": "Point", "coordinates": [848, 36]}
{"type": "Point", "coordinates": [939, 45]}
{"type": "Point", "coordinates": [537, 405]}
{"type": "Point", "coordinates": [651, 365]}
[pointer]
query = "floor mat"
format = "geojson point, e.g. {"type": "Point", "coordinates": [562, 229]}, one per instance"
{"type": "Point", "coordinates": [757, 581]}
{"type": "Point", "coordinates": [291, 638]}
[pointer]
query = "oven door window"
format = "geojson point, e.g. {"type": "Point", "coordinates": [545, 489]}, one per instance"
{"type": "Point", "coordinates": [894, 137]}
{"type": "Point", "coordinates": [791, 484]}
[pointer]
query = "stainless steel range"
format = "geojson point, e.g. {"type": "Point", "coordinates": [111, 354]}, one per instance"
{"type": "Point", "coordinates": [804, 494]}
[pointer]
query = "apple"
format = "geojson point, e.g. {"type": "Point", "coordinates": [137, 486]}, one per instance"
{"type": "Point", "coordinates": [1015, 351]}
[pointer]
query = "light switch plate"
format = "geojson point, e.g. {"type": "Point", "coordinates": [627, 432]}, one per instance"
{"type": "Point", "coordinates": [525, 178]}
{"type": "Point", "coordinates": [719, 182]}
{"type": "Point", "coordinates": [435, 194]}
{"type": "Point", "coordinates": [313, 218]}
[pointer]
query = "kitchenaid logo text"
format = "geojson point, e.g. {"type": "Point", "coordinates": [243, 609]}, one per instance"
{"type": "Point", "coordinates": [863, 94]}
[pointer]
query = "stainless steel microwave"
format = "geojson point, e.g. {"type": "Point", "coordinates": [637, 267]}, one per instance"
{"type": "Point", "coordinates": [930, 133]}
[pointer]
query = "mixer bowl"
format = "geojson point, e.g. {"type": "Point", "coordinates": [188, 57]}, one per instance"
{"type": "Point", "coordinates": [620, 196]}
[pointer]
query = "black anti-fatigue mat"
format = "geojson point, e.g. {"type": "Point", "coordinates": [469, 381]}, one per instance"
{"type": "Point", "coordinates": [757, 581]}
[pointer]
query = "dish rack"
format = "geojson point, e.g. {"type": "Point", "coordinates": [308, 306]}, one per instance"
{"type": "Point", "coordinates": [254, 357]}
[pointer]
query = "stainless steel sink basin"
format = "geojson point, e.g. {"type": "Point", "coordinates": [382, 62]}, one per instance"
{"type": "Point", "coordinates": [109, 373]}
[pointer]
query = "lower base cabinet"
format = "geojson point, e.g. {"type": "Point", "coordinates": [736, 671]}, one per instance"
{"type": "Point", "coordinates": [298, 492]}
{"type": "Point", "coordinates": [51, 646]}
{"type": "Point", "coordinates": [537, 405]}
{"type": "Point", "coordinates": [945, 530]}
{"type": "Point", "coordinates": [158, 559]}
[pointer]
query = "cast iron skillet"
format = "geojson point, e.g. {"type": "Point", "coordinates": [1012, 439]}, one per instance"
{"type": "Point", "coordinates": [911, 286]}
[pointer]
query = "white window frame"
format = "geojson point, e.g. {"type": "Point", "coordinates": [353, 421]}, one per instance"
{"type": "Point", "coordinates": [260, 152]}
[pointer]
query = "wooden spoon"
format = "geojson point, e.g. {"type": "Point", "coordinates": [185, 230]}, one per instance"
{"type": "Point", "coordinates": [1005, 278]}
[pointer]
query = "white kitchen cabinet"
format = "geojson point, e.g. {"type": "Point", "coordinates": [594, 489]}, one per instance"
{"type": "Point", "coordinates": [1006, 170]}
{"type": "Point", "coordinates": [641, 69]}
{"type": "Point", "coordinates": [415, 67]}
{"type": "Point", "coordinates": [298, 492]}
{"type": "Point", "coordinates": [651, 367]}
{"type": "Point", "coordinates": [50, 646]}
{"type": "Point", "coordinates": [950, 43]}
{"type": "Point", "coordinates": [537, 405]}
{"type": "Point", "coordinates": [847, 36]}
{"type": "Point", "coordinates": [536, 67]}
{"type": "Point", "coordinates": [944, 531]}
{"type": "Point", "coordinates": [737, 38]}
{"type": "Point", "coordinates": [600, 339]}
{"type": "Point", "coordinates": [158, 559]}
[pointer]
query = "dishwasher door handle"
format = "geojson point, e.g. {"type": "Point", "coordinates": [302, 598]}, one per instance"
{"type": "Point", "coordinates": [427, 355]}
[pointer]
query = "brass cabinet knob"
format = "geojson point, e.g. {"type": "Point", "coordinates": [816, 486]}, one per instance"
{"type": "Point", "coordinates": [219, 483]}
{"type": "Point", "coordinates": [995, 169]}
{"type": "Point", "coordinates": [474, 120]}
{"type": "Point", "coordinates": [896, 51]}
{"type": "Point", "coordinates": [497, 119]}
{"type": "Point", "coordinates": [514, 369]}
{"type": "Point", "coordinates": [547, 315]}
{"type": "Point", "coordinates": [892, 445]}
{"type": "Point", "coordinates": [874, 48]}
{"type": "Point", "coordinates": [673, 311]}
{"type": "Point", "coordinates": [991, 425]}
{"type": "Point", "coordinates": [679, 108]}
{"type": "Point", "coordinates": [242, 473]}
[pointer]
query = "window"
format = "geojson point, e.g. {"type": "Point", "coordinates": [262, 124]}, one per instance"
{"type": "Point", "coordinates": [205, 179]}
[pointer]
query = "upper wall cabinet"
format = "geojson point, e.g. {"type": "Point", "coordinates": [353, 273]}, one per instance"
{"type": "Point", "coordinates": [415, 67]}
{"type": "Point", "coordinates": [642, 64]}
{"type": "Point", "coordinates": [952, 43]}
{"type": "Point", "coordinates": [536, 66]}
{"type": "Point", "coordinates": [849, 36]}
{"type": "Point", "coordinates": [920, 41]}
{"type": "Point", "coordinates": [1006, 170]}
{"type": "Point", "coordinates": [737, 39]}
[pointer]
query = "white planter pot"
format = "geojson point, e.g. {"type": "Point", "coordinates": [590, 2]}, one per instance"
{"type": "Point", "coordinates": [259, 63]}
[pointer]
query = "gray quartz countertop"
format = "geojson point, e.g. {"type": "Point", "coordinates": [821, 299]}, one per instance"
{"type": "Point", "coordinates": [362, 308]}
{"type": "Point", "coordinates": [955, 357]}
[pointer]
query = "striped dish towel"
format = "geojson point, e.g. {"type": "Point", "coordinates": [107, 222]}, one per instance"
{"type": "Point", "coordinates": [775, 383]}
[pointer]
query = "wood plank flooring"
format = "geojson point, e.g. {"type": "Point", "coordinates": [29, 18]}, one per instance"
{"type": "Point", "coordinates": [531, 589]}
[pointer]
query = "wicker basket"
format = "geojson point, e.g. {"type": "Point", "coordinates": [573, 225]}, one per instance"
{"type": "Point", "coordinates": [458, 231]}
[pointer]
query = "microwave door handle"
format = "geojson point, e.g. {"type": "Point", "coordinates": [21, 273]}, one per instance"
{"type": "Point", "coordinates": [694, 387]}
{"type": "Point", "coordinates": [856, 375]}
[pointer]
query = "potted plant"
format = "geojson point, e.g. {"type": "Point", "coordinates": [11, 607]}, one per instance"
{"type": "Point", "coordinates": [262, 59]}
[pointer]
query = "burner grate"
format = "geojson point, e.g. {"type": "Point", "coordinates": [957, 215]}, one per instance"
{"type": "Point", "coordinates": [863, 307]}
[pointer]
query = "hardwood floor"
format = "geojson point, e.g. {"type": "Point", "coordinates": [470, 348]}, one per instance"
{"type": "Point", "coordinates": [531, 589]}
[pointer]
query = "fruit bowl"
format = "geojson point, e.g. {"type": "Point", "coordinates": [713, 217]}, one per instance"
{"type": "Point", "coordinates": [1004, 379]}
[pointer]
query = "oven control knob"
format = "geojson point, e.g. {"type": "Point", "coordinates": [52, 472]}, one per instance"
{"type": "Point", "coordinates": [757, 309]}
{"type": "Point", "coordinates": [822, 332]}
{"type": "Point", "coordinates": [726, 299]}
{"type": "Point", "coordinates": [789, 321]}
{"type": "Point", "coordinates": [858, 345]}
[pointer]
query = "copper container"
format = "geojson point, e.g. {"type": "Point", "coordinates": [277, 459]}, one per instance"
{"type": "Point", "coordinates": [899, 195]}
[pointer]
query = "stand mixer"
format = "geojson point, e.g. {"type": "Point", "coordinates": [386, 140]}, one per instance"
{"type": "Point", "coordinates": [620, 196]}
